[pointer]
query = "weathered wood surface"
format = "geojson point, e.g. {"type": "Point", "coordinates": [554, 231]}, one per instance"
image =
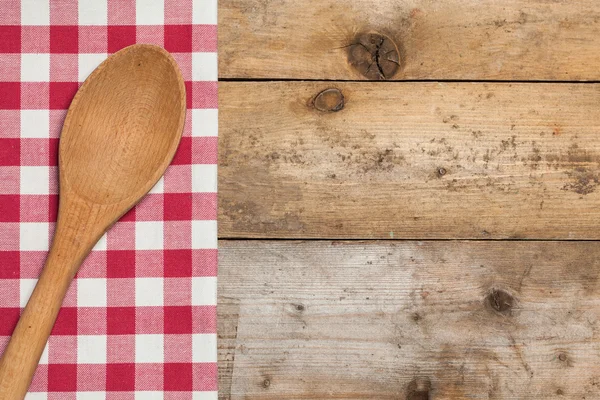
{"type": "Point", "coordinates": [410, 160]}
{"type": "Point", "coordinates": [362, 320]}
{"type": "Point", "coordinates": [456, 39]}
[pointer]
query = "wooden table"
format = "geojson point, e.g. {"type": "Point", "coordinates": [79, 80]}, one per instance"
{"type": "Point", "coordinates": [409, 199]}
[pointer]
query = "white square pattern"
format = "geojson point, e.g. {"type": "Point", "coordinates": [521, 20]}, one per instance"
{"type": "Point", "coordinates": [34, 180]}
{"type": "Point", "coordinates": [149, 292]}
{"type": "Point", "coordinates": [44, 357]}
{"type": "Point", "coordinates": [26, 287]}
{"type": "Point", "coordinates": [34, 236]}
{"type": "Point", "coordinates": [204, 67]}
{"type": "Point", "coordinates": [149, 235]}
{"type": "Point", "coordinates": [149, 348]}
{"type": "Point", "coordinates": [204, 234]}
{"type": "Point", "coordinates": [204, 291]}
{"type": "Point", "coordinates": [87, 63]}
{"type": "Point", "coordinates": [204, 178]}
{"type": "Point", "coordinates": [204, 12]}
{"type": "Point", "coordinates": [101, 244]}
{"type": "Point", "coordinates": [91, 349]}
{"type": "Point", "coordinates": [150, 12]}
{"type": "Point", "coordinates": [92, 12]}
{"type": "Point", "coordinates": [159, 187]}
{"type": "Point", "coordinates": [36, 396]}
{"type": "Point", "coordinates": [91, 292]}
{"type": "Point", "coordinates": [205, 396]}
{"type": "Point", "coordinates": [149, 395]}
{"type": "Point", "coordinates": [35, 12]}
{"type": "Point", "coordinates": [205, 122]}
{"type": "Point", "coordinates": [35, 123]}
{"type": "Point", "coordinates": [204, 348]}
{"type": "Point", "coordinates": [91, 395]}
{"type": "Point", "coordinates": [35, 67]}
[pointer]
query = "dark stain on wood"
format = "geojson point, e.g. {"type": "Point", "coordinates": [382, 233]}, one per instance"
{"type": "Point", "coordinates": [583, 181]}
{"type": "Point", "coordinates": [575, 156]}
{"type": "Point", "coordinates": [374, 55]}
{"type": "Point", "coordinates": [380, 160]}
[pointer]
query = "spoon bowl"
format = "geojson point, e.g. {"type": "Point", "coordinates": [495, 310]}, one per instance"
{"type": "Point", "coordinates": [121, 132]}
{"type": "Point", "coordinates": [131, 106]}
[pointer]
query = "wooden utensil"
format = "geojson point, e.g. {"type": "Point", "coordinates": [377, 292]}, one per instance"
{"type": "Point", "coordinates": [120, 134]}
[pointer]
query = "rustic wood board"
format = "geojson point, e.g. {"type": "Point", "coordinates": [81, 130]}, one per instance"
{"type": "Point", "coordinates": [379, 319]}
{"type": "Point", "coordinates": [410, 160]}
{"type": "Point", "coordinates": [409, 320]}
{"type": "Point", "coordinates": [455, 39]}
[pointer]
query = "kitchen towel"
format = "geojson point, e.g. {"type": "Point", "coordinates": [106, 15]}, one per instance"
{"type": "Point", "coordinates": [139, 321]}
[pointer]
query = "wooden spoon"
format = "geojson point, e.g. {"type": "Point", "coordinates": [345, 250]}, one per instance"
{"type": "Point", "coordinates": [120, 134]}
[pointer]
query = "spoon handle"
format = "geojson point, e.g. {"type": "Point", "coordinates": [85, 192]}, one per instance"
{"type": "Point", "coordinates": [70, 246]}
{"type": "Point", "coordinates": [26, 345]}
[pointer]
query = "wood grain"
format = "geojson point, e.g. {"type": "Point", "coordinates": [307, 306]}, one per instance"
{"type": "Point", "coordinates": [409, 160]}
{"type": "Point", "coordinates": [399, 320]}
{"type": "Point", "coordinates": [120, 134]}
{"type": "Point", "coordinates": [456, 39]}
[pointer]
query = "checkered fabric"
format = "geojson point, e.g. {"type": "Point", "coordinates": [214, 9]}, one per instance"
{"type": "Point", "coordinates": [139, 321]}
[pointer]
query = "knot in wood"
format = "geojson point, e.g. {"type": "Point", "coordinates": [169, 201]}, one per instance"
{"type": "Point", "coordinates": [374, 55]}
{"type": "Point", "coordinates": [329, 100]}
{"type": "Point", "coordinates": [500, 301]}
{"type": "Point", "coordinates": [418, 389]}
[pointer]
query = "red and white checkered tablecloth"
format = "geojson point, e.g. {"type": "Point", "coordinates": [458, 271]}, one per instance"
{"type": "Point", "coordinates": [139, 321]}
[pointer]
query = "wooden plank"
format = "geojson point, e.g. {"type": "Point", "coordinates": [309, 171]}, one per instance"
{"type": "Point", "coordinates": [455, 39]}
{"type": "Point", "coordinates": [383, 320]}
{"type": "Point", "coordinates": [409, 160]}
